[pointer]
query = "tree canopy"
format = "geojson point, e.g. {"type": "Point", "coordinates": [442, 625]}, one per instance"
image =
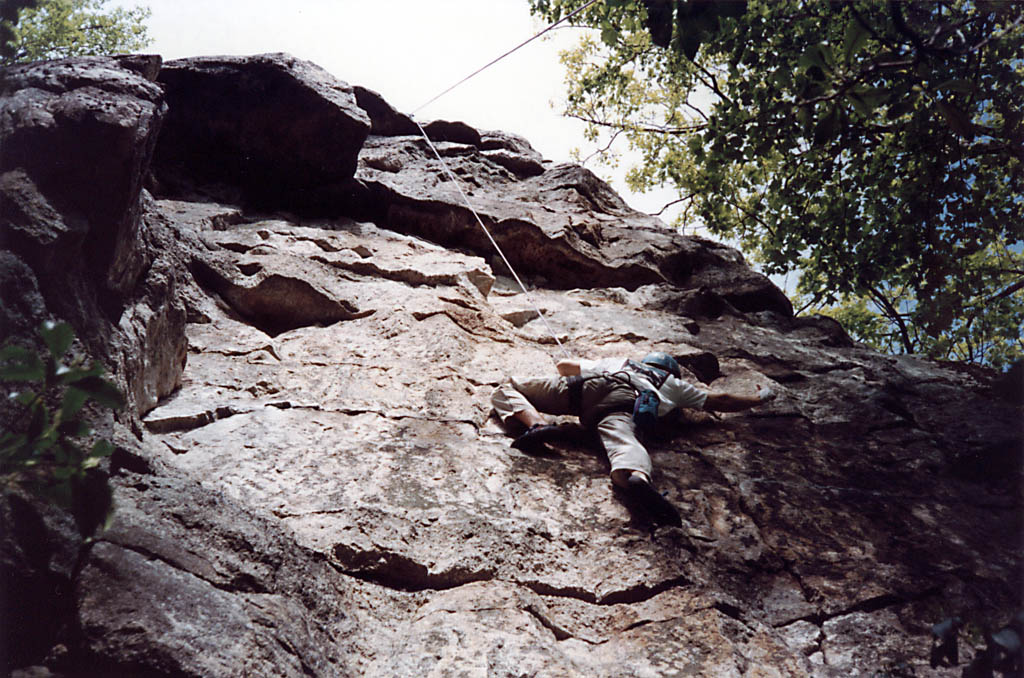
{"type": "Point", "coordinates": [875, 147]}
{"type": "Point", "coordinates": [31, 30]}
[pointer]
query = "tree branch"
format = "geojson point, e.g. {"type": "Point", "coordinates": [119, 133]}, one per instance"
{"type": "Point", "coordinates": [669, 204]}
{"type": "Point", "coordinates": [674, 131]}
{"type": "Point", "coordinates": [603, 150]}
{"type": "Point", "coordinates": [894, 316]}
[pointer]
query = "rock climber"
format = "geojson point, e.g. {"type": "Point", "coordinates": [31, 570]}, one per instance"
{"type": "Point", "coordinates": [614, 396]}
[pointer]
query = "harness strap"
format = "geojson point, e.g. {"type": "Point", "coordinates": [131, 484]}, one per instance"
{"type": "Point", "coordinates": [575, 386]}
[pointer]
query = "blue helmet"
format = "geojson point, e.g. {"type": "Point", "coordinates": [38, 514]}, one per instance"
{"type": "Point", "coordinates": [663, 361]}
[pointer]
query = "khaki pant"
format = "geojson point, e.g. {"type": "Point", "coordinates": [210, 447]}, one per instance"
{"type": "Point", "coordinates": [602, 408]}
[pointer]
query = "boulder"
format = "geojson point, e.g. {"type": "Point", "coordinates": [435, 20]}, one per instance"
{"type": "Point", "coordinates": [326, 491]}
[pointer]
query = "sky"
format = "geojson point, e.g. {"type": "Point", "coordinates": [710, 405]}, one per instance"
{"type": "Point", "coordinates": [409, 51]}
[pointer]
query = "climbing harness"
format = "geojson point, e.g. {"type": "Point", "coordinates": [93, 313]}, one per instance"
{"type": "Point", "coordinates": [645, 404]}
{"type": "Point", "coordinates": [465, 199]}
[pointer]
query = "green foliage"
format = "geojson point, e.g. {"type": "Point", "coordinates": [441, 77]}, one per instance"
{"type": "Point", "coordinates": [9, 10]}
{"type": "Point", "coordinates": [877, 148]}
{"type": "Point", "coordinates": [43, 450]}
{"type": "Point", "coordinates": [53, 29]}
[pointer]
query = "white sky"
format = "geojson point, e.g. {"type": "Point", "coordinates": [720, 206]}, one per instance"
{"type": "Point", "coordinates": [409, 51]}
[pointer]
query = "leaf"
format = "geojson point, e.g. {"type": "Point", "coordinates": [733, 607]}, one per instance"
{"type": "Point", "coordinates": [827, 127]}
{"type": "Point", "coordinates": [899, 109]}
{"type": "Point", "coordinates": [854, 40]}
{"type": "Point", "coordinates": [18, 353]}
{"type": "Point", "coordinates": [659, 21]}
{"type": "Point", "coordinates": [956, 119]}
{"type": "Point", "coordinates": [731, 8]}
{"type": "Point", "coordinates": [73, 428]}
{"type": "Point", "coordinates": [25, 367]}
{"type": "Point", "coordinates": [14, 447]}
{"type": "Point", "coordinates": [866, 99]}
{"type": "Point", "coordinates": [63, 472]}
{"type": "Point", "coordinates": [25, 398]}
{"type": "Point", "coordinates": [74, 399]}
{"type": "Point", "coordinates": [58, 337]}
{"type": "Point", "coordinates": [72, 375]}
{"type": "Point", "coordinates": [956, 85]}
{"type": "Point", "coordinates": [102, 391]}
{"type": "Point", "coordinates": [689, 44]}
{"type": "Point", "coordinates": [804, 116]}
{"type": "Point", "coordinates": [38, 423]}
{"type": "Point", "coordinates": [101, 448]}
{"type": "Point", "coordinates": [818, 55]}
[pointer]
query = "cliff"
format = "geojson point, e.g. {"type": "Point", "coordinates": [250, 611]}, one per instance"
{"type": "Point", "coordinates": [309, 480]}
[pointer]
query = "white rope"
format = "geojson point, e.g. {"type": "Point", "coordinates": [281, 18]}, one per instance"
{"type": "Point", "coordinates": [465, 198]}
{"type": "Point", "coordinates": [517, 47]}
{"type": "Point", "coordinates": [458, 186]}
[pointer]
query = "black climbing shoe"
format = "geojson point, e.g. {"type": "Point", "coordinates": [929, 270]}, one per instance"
{"type": "Point", "coordinates": [533, 440]}
{"type": "Point", "coordinates": [659, 508]}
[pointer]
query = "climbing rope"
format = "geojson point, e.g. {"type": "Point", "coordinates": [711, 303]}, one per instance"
{"type": "Point", "coordinates": [514, 49]}
{"type": "Point", "coordinates": [465, 198]}
{"type": "Point", "coordinates": [458, 186]}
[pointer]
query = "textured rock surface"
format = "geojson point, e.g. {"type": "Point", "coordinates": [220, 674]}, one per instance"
{"type": "Point", "coordinates": [327, 492]}
{"type": "Point", "coordinates": [76, 140]}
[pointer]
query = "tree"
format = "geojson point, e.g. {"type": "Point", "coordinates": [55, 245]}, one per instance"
{"type": "Point", "coordinates": [876, 147]}
{"type": "Point", "coordinates": [31, 30]}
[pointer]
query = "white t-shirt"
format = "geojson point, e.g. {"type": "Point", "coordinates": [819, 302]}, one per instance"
{"type": "Point", "coordinates": [674, 393]}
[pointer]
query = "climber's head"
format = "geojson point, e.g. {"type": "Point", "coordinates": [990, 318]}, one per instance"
{"type": "Point", "coordinates": [662, 361]}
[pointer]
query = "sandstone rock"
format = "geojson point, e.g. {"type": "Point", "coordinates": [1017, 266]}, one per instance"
{"type": "Point", "coordinates": [275, 127]}
{"type": "Point", "coordinates": [384, 119]}
{"type": "Point", "coordinates": [327, 492]}
{"type": "Point", "coordinates": [77, 138]}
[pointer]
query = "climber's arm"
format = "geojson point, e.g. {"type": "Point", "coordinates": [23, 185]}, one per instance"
{"type": "Point", "coordinates": [570, 367]}
{"type": "Point", "coordinates": [737, 402]}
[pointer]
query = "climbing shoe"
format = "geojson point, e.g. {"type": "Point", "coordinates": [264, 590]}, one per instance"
{"type": "Point", "coordinates": [533, 440]}
{"type": "Point", "coordinates": [660, 509]}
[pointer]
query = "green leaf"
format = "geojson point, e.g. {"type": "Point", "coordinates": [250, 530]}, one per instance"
{"type": "Point", "coordinates": [854, 40]}
{"type": "Point", "coordinates": [689, 44]}
{"type": "Point", "coordinates": [25, 398]}
{"type": "Point", "coordinates": [63, 472]}
{"type": "Point", "coordinates": [899, 109]}
{"type": "Point", "coordinates": [26, 367]}
{"type": "Point", "coordinates": [72, 375]}
{"type": "Point", "coordinates": [866, 99]}
{"type": "Point", "coordinates": [16, 353]}
{"type": "Point", "coordinates": [818, 55]}
{"type": "Point", "coordinates": [731, 8]}
{"type": "Point", "coordinates": [74, 428]}
{"type": "Point", "coordinates": [101, 448]}
{"type": "Point", "coordinates": [74, 399]}
{"type": "Point", "coordinates": [956, 85]}
{"type": "Point", "coordinates": [58, 337]}
{"type": "Point", "coordinates": [39, 421]}
{"type": "Point", "coordinates": [828, 126]}
{"type": "Point", "coordinates": [102, 391]}
{"type": "Point", "coordinates": [14, 447]}
{"type": "Point", "coordinates": [956, 119]}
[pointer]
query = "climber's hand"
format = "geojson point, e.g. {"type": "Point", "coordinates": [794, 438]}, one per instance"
{"type": "Point", "coordinates": [765, 393]}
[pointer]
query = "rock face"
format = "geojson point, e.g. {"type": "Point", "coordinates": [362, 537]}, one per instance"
{"type": "Point", "coordinates": [323, 490]}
